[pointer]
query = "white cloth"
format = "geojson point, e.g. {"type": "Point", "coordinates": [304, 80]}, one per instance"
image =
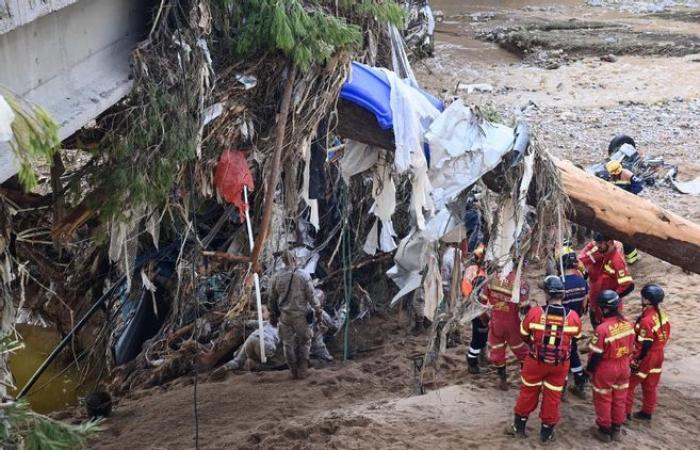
{"type": "Point", "coordinates": [357, 158]}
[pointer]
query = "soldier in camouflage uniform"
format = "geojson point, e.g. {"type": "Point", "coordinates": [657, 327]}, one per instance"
{"type": "Point", "coordinates": [292, 303]}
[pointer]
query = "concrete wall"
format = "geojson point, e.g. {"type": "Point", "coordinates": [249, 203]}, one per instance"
{"type": "Point", "coordinates": [70, 57]}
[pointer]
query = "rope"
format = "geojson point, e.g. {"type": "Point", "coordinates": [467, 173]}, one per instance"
{"type": "Point", "coordinates": [346, 245]}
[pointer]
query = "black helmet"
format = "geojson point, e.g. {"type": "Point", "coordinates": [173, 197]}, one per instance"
{"type": "Point", "coordinates": [600, 237]}
{"type": "Point", "coordinates": [654, 293]}
{"type": "Point", "coordinates": [554, 287]}
{"type": "Point", "coordinates": [608, 299]}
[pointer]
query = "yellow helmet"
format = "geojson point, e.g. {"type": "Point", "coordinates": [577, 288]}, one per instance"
{"type": "Point", "coordinates": [613, 167]}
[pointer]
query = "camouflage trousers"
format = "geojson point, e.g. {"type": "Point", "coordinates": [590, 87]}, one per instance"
{"type": "Point", "coordinates": [296, 335]}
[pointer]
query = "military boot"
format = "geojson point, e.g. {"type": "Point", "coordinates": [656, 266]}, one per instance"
{"type": "Point", "coordinates": [603, 434]}
{"type": "Point", "coordinates": [295, 371]}
{"type": "Point", "coordinates": [517, 428]}
{"type": "Point", "coordinates": [616, 433]}
{"type": "Point", "coordinates": [502, 379]}
{"type": "Point", "coordinates": [641, 415]}
{"type": "Point", "coordinates": [579, 387]}
{"type": "Point", "coordinates": [547, 433]}
{"type": "Point", "coordinates": [473, 365]}
{"type": "Point", "coordinates": [303, 368]}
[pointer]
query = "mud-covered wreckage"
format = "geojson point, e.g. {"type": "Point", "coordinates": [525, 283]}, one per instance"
{"type": "Point", "coordinates": [216, 162]}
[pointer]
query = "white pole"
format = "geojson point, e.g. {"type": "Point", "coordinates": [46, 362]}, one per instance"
{"type": "Point", "coordinates": [256, 279]}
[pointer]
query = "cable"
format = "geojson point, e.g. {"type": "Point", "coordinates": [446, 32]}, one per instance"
{"type": "Point", "coordinates": [195, 329]}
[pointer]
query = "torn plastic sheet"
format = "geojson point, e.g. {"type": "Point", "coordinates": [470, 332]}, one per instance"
{"type": "Point", "coordinates": [399, 59]}
{"type": "Point", "coordinates": [357, 158]}
{"type": "Point", "coordinates": [412, 113]}
{"type": "Point", "coordinates": [384, 192]}
{"type": "Point", "coordinates": [380, 237]}
{"type": "Point", "coordinates": [248, 81]}
{"type": "Point", "coordinates": [463, 147]}
{"type": "Point", "coordinates": [432, 288]}
{"type": "Point", "coordinates": [308, 259]}
{"type": "Point", "coordinates": [687, 187]}
{"type": "Point", "coordinates": [312, 203]}
{"type": "Point", "coordinates": [503, 239]}
{"type": "Point", "coordinates": [7, 116]}
{"type": "Point", "coordinates": [410, 257]}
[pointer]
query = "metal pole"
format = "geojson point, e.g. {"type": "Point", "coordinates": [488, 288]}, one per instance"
{"type": "Point", "coordinates": [47, 362]}
{"type": "Point", "coordinates": [256, 280]}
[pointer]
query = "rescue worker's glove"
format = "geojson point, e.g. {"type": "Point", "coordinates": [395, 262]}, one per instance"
{"type": "Point", "coordinates": [634, 365]}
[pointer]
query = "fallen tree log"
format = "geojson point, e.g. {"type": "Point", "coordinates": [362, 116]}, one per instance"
{"type": "Point", "coordinates": [597, 205]}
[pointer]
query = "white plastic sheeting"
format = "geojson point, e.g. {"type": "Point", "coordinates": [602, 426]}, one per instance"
{"type": "Point", "coordinates": [463, 147]}
{"type": "Point", "coordinates": [357, 158]}
{"type": "Point", "coordinates": [412, 114]}
{"type": "Point", "coordinates": [384, 193]}
{"type": "Point", "coordinates": [432, 288]}
{"type": "Point", "coordinates": [7, 116]}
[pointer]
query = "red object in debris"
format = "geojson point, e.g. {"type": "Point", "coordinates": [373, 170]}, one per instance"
{"type": "Point", "coordinates": [232, 173]}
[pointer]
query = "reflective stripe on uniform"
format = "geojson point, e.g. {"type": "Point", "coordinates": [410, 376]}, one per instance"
{"type": "Point", "coordinates": [553, 387]}
{"type": "Point", "coordinates": [624, 280]}
{"type": "Point", "coordinates": [620, 336]}
{"type": "Point", "coordinates": [642, 375]}
{"type": "Point", "coordinates": [494, 346]}
{"type": "Point", "coordinates": [530, 384]}
{"type": "Point", "coordinates": [642, 339]}
{"type": "Point", "coordinates": [537, 326]}
{"type": "Point", "coordinates": [501, 290]}
{"type": "Point", "coordinates": [619, 387]}
{"type": "Point", "coordinates": [601, 391]}
{"type": "Point", "coordinates": [595, 349]}
{"type": "Point", "coordinates": [570, 329]}
{"type": "Point", "coordinates": [517, 346]}
{"type": "Point", "coordinates": [655, 370]}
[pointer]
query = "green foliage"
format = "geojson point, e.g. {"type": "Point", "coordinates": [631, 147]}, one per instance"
{"type": "Point", "coordinates": [20, 427]}
{"type": "Point", "coordinates": [146, 155]}
{"type": "Point", "coordinates": [35, 138]}
{"type": "Point", "coordinates": [307, 35]}
{"type": "Point", "coordinates": [385, 11]}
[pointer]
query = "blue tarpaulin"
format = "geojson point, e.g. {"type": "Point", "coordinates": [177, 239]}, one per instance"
{"type": "Point", "coordinates": [369, 88]}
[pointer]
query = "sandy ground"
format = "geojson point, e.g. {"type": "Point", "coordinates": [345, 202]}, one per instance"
{"type": "Point", "coordinates": [369, 402]}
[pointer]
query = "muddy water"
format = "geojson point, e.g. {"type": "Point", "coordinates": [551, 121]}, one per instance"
{"type": "Point", "coordinates": [59, 387]}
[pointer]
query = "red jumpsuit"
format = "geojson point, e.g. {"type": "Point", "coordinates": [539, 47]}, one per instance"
{"type": "Point", "coordinates": [614, 339]}
{"type": "Point", "coordinates": [504, 326]}
{"type": "Point", "coordinates": [549, 331]}
{"type": "Point", "coordinates": [649, 328]}
{"type": "Point", "coordinates": [605, 271]}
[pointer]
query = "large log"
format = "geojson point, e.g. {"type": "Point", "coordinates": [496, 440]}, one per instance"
{"type": "Point", "coordinates": [596, 204]}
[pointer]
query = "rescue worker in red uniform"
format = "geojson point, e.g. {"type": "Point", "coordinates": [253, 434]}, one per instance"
{"type": "Point", "coordinates": [609, 366]}
{"type": "Point", "coordinates": [653, 331]}
{"type": "Point", "coordinates": [504, 325]}
{"type": "Point", "coordinates": [549, 332]}
{"type": "Point", "coordinates": [474, 277]}
{"type": "Point", "coordinates": [606, 269]}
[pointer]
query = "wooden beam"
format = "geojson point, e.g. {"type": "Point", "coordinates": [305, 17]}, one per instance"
{"type": "Point", "coordinates": [597, 205]}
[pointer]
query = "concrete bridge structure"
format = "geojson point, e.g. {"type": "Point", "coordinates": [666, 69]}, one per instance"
{"type": "Point", "coordinates": [72, 57]}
